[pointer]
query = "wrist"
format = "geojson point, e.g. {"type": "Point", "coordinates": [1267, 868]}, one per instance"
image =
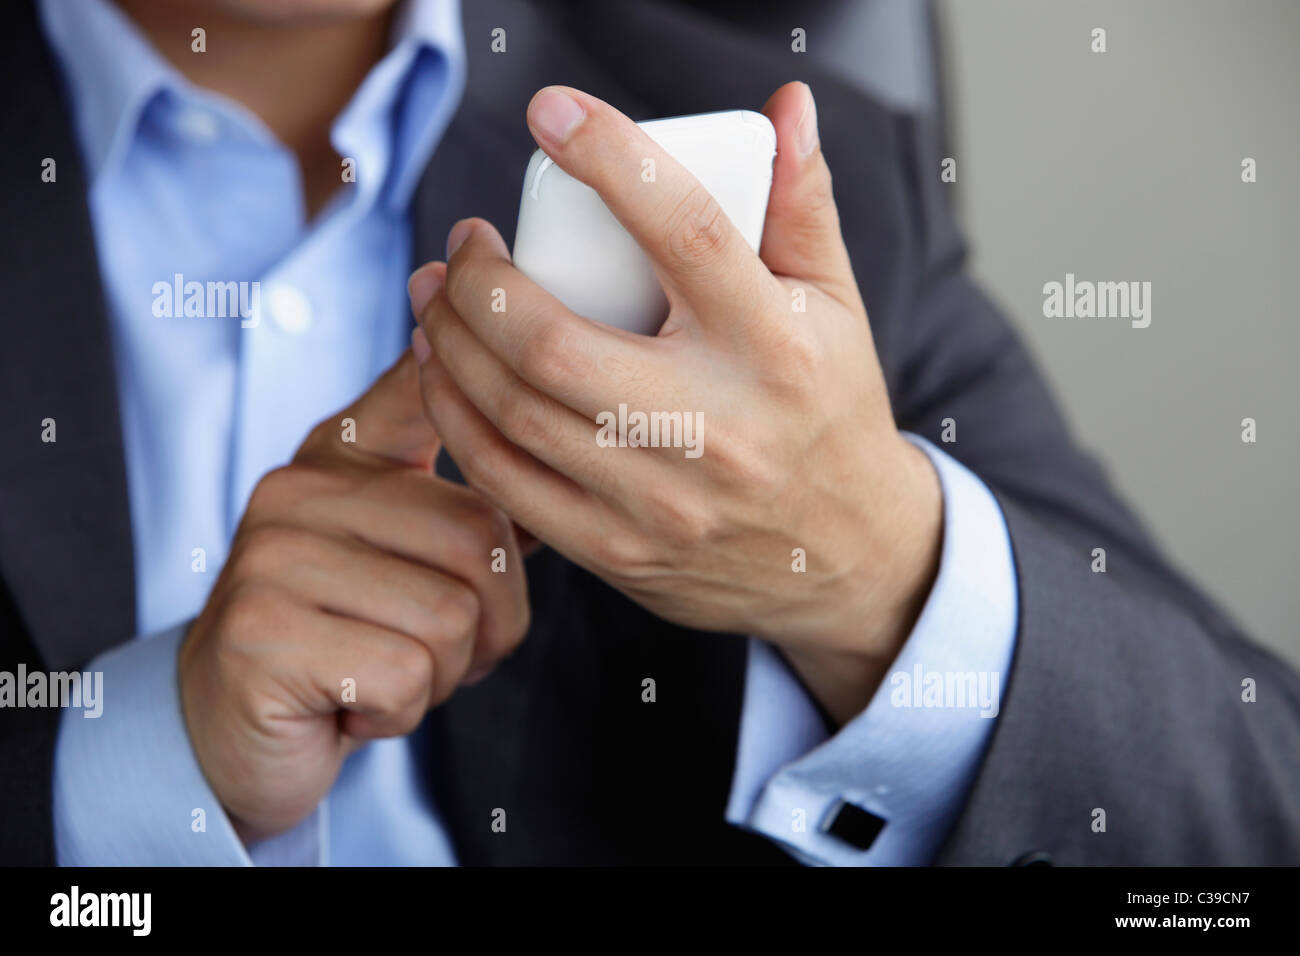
{"type": "Point", "coordinates": [881, 604]}
{"type": "Point", "coordinates": [917, 544]}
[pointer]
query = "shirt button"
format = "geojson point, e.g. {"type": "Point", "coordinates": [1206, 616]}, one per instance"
{"type": "Point", "coordinates": [290, 309]}
{"type": "Point", "coordinates": [198, 124]}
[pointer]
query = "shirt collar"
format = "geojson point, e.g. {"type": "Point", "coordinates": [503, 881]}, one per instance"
{"type": "Point", "coordinates": [111, 70]}
{"type": "Point", "coordinates": [391, 123]}
{"type": "Point", "coordinates": [405, 102]}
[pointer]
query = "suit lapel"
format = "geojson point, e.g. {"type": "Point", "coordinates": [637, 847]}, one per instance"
{"type": "Point", "coordinates": [65, 528]}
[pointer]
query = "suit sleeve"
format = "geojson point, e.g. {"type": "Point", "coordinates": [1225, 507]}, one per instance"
{"type": "Point", "coordinates": [1138, 726]}
{"type": "Point", "coordinates": [27, 737]}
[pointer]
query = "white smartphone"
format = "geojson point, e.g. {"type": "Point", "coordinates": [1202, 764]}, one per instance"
{"type": "Point", "coordinates": [569, 243]}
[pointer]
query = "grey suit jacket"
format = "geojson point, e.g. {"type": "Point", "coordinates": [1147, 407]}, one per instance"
{"type": "Point", "coordinates": [1125, 692]}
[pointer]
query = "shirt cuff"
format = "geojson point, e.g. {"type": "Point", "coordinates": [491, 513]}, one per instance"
{"type": "Point", "coordinates": [128, 789]}
{"type": "Point", "coordinates": [910, 757]}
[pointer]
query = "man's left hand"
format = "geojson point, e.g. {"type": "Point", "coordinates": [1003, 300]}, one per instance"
{"type": "Point", "coordinates": [771, 351]}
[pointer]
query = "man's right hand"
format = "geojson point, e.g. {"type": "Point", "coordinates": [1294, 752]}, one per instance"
{"type": "Point", "coordinates": [354, 563]}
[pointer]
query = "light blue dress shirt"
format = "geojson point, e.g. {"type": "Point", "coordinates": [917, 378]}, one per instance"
{"type": "Point", "coordinates": [187, 183]}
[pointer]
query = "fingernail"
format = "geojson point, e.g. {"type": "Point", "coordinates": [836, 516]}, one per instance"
{"type": "Point", "coordinates": [423, 285]}
{"type": "Point", "coordinates": [477, 674]}
{"type": "Point", "coordinates": [806, 131]}
{"type": "Point", "coordinates": [555, 114]}
{"type": "Point", "coordinates": [420, 345]}
{"type": "Point", "coordinates": [459, 233]}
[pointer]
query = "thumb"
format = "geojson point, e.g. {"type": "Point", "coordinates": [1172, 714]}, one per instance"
{"type": "Point", "coordinates": [387, 422]}
{"type": "Point", "coordinates": [801, 237]}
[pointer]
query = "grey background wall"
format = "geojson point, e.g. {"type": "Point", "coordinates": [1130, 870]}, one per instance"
{"type": "Point", "coordinates": [1127, 166]}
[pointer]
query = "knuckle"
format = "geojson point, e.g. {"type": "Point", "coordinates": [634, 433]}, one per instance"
{"type": "Point", "coordinates": [545, 359]}
{"type": "Point", "coordinates": [469, 284]}
{"type": "Point", "coordinates": [622, 554]}
{"type": "Point", "coordinates": [447, 331]}
{"type": "Point", "coordinates": [804, 350]}
{"type": "Point", "coordinates": [275, 488]}
{"type": "Point", "coordinates": [480, 527]}
{"type": "Point", "coordinates": [490, 525]}
{"type": "Point", "coordinates": [741, 464]}
{"type": "Point", "coordinates": [820, 200]}
{"type": "Point", "coordinates": [322, 442]}
{"type": "Point", "coordinates": [509, 630]}
{"type": "Point", "coordinates": [409, 672]}
{"type": "Point", "coordinates": [437, 328]}
{"type": "Point", "coordinates": [524, 416]}
{"type": "Point", "coordinates": [266, 550]}
{"type": "Point", "coordinates": [808, 210]}
{"type": "Point", "coordinates": [522, 622]}
{"type": "Point", "coordinates": [483, 466]}
{"type": "Point", "coordinates": [681, 522]}
{"type": "Point", "coordinates": [252, 611]}
{"type": "Point", "coordinates": [456, 612]}
{"type": "Point", "coordinates": [288, 484]}
{"type": "Point", "coordinates": [439, 388]}
{"type": "Point", "coordinates": [316, 437]}
{"type": "Point", "coordinates": [697, 230]}
{"type": "Point", "coordinates": [798, 359]}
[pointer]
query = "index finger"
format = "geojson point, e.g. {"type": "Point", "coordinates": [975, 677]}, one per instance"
{"type": "Point", "coordinates": [697, 252]}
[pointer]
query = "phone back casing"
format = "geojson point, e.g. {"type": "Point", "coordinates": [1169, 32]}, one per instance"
{"type": "Point", "coordinates": [569, 243]}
